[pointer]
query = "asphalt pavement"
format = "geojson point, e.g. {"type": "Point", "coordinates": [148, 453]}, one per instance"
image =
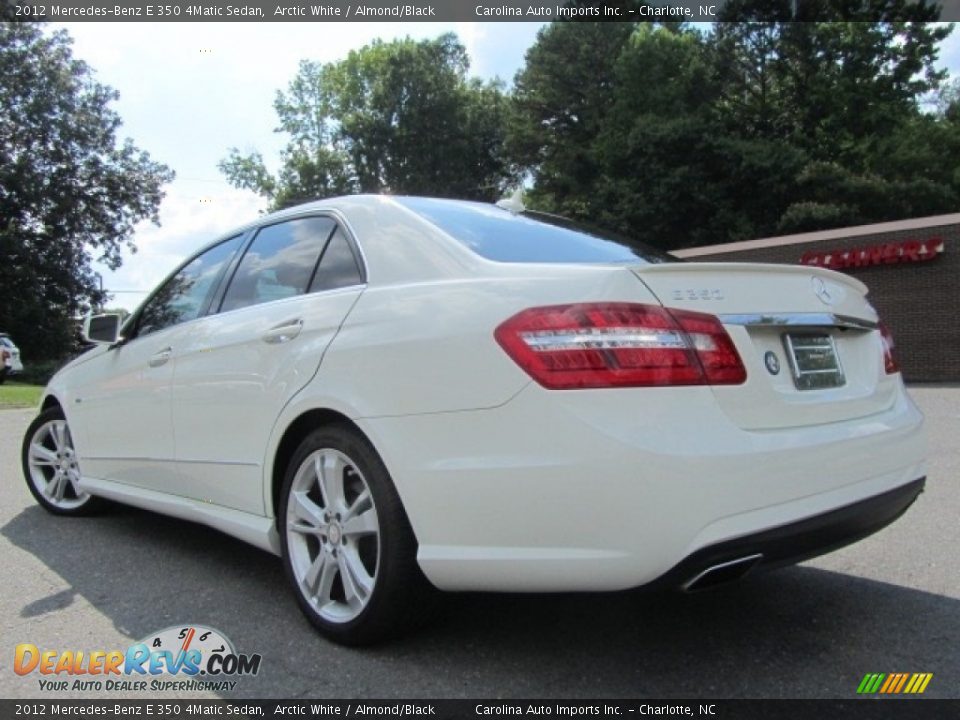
{"type": "Point", "coordinates": [890, 603]}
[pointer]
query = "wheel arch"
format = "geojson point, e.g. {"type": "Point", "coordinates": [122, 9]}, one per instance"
{"type": "Point", "coordinates": [296, 431]}
{"type": "Point", "coordinates": [50, 401]}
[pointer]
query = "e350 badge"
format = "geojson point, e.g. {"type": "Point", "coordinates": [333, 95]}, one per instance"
{"type": "Point", "coordinates": [180, 657]}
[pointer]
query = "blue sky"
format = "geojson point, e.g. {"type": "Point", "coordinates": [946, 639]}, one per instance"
{"type": "Point", "coordinates": [190, 91]}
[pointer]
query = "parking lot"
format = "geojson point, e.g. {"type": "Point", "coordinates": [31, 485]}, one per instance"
{"type": "Point", "coordinates": [890, 603]}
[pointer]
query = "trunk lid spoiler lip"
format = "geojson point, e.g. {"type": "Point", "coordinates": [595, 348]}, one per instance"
{"type": "Point", "coordinates": [809, 270]}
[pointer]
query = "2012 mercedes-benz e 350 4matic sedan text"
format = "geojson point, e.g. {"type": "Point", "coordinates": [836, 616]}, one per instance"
{"type": "Point", "coordinates": [400, 394]}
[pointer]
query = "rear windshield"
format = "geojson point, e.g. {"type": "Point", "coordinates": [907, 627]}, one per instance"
{"type": "Point", "coordinates": [529, 237]}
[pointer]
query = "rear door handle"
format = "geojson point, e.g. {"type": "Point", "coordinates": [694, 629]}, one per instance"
{"type": "Point", "coordinates": [161, 357]}
{"type": "Point", "coordinates": [283, 333]}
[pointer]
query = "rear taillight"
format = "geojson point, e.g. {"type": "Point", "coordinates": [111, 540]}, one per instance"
{"type": "Point", "coordinates": [596, 345]}
{"type": "Point", "coordinates": [890, 364]}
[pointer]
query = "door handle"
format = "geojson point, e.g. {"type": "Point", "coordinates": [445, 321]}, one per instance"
{"type": "Point", "coordinates": [161, 357]}
{"type": "Point", "coordinates": [284, 332]}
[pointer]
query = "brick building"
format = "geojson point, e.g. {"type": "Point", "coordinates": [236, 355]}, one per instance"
{"type": "Point", "coordinates": [912, 268]}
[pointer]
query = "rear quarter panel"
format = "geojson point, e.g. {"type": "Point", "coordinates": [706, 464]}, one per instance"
{"type": "Point", "coordinates": [428, 348]}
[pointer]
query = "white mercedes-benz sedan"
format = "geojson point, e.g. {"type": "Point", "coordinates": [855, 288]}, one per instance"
{"type": "Point", "coordinates": [400, 394]}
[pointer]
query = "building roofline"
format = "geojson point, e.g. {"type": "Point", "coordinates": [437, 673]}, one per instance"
{"type": "Point", "coordinates": [820, 235]}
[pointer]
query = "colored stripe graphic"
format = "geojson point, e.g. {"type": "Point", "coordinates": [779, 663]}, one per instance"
{"type": "Point", "coordinates": [870, 683]}
{"type": "Point", "coordinates": [918, 683]}
{"type": "Point", "coordinates": [894, 683]}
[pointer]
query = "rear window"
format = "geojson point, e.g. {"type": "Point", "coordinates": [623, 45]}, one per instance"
{"type": "Point", "coordinates": [529, 237]}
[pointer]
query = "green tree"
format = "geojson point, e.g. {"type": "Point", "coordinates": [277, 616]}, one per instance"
{"type": "Point", "coordinates": [560, 103]}
{"type": "Point", "coordinates": [754, 128]}
{"type": "Point", "coordinates": [69, 192]}
{"type": "Point", "coordinates": [659, 177]}
{"type": "Point", "coordinates": [843, 92]}
{"type": "Point", "coordinates": [400, 117]}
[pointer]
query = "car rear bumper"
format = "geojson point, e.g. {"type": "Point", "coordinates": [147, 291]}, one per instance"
{"type": "Point", "coordinates": [598, 490]}
{"type": "Point", "coordinates": [793, 542]}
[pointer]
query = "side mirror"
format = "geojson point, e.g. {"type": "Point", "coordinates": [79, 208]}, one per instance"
{"type": "Point", "coordinates": [102, 329]}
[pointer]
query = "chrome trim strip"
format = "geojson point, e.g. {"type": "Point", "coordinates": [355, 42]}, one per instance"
{"type": "Point", "coordinates": [797, 319]}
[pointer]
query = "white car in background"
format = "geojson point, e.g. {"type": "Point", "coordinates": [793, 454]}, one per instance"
{"type": "Point", "coordinates": [399, 394]}
{"type": "Point", "coordinates": [10, 363]}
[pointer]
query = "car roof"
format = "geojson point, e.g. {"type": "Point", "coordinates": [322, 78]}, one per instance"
{"type": "Point", "coordinates": [397, 244]}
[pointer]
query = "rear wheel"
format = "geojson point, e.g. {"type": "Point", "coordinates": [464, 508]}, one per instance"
{"type": "Point", "coordinates": [348, 548]}
{"type": "Point", "coordinates": [51, 468]}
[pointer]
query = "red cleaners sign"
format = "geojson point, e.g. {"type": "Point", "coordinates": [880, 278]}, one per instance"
{"type": "Point", "coordinates": [908, 251]}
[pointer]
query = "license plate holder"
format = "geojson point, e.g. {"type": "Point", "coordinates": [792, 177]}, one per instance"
{"type": "Point", "coordinates": [814, 360]}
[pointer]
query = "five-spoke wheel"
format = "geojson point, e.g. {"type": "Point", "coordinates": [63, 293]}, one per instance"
{"type": "Point", "coordinates": [50, 466]}
{"type": "Point", "coordinates": [348, 548]}
{"type": "Point", "coordinates": [333, 535]}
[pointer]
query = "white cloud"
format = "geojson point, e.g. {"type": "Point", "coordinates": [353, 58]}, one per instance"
{"type": "Point", "coordinates": [191, 216]}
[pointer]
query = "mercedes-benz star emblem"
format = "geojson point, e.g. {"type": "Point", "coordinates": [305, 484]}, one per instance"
{"type": "Point", "coordinates": [821, 291]}
{"type": "Point", "coordinates": [772, 362]}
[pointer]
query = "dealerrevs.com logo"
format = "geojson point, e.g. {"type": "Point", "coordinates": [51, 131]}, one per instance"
{"type": "Point", "coordinates": [181, 657]}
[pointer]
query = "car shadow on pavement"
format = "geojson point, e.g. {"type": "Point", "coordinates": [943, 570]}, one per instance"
{"type": "Point", "coordinates": [796, 632]}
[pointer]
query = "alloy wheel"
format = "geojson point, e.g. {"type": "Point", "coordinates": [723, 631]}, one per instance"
{"type": "Point", "coordinates": [333, 535]}
{"type": "Point", "coordinates": [53, 468]}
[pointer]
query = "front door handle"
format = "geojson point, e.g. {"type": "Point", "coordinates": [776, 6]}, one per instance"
{"type": "Point", "coordinates": [161, 357]}
{"type": "Point", "coordinates": [284, 332]}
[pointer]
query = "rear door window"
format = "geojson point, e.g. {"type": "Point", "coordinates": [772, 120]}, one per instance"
{"type": "Point", "coordinates": [279, 263]}
{"type": "Point", "coordinates": [338, 267]}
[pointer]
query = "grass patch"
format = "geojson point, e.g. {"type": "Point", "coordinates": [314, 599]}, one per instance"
{"type": "Point", "coordinates": [14, 395]}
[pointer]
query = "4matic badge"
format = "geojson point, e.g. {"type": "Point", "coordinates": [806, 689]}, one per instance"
{"type": "Point", "coordinates": [191, 657]}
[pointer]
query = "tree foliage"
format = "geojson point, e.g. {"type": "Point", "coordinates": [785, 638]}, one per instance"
{"type": "Point", "coordinates": [398, 116]}
{"type": "Point", "coordinates": [684, 138]}
{"type": "Point", "coordinates": [678, 136]}
{"type": "Point", "coordinates": [69, 192]}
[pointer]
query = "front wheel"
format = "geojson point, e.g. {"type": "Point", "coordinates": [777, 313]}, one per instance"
{"type": "Point", "coordinates": [348, 548]}
{"type": "Point", "coordinates": [51, 468]}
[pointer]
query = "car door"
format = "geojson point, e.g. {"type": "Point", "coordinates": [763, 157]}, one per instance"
{"type": "Point", "coordinates": [120, 409]}
{"type": "Point", "coordinates": [238, 367]}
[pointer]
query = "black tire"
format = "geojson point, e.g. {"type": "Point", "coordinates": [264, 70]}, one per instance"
{"type": "Point", "coordinates": [401, 597]}
{"type": "Point", "coordinates": [3, 375]}
{"type": "Point", "coordinates": [72, 504]}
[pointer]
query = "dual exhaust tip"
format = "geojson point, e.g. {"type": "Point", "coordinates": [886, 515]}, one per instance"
{"type": "Point", "coordinates": [722, 573]}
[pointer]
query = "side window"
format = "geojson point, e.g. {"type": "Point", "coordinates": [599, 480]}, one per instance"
{"type": "Point", "coordinates": [183, 296]}
{"type": "Point", "coordinates": [279, 262]}
{"type": "Point", "coordinates": [338, 266]}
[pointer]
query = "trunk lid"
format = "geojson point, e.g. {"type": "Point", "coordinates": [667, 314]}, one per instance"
{"type": "Point", "coordinates": [807, 337]}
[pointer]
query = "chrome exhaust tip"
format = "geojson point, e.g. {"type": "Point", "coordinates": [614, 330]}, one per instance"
{"type": "Point", "coordinates": [722, 573]}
